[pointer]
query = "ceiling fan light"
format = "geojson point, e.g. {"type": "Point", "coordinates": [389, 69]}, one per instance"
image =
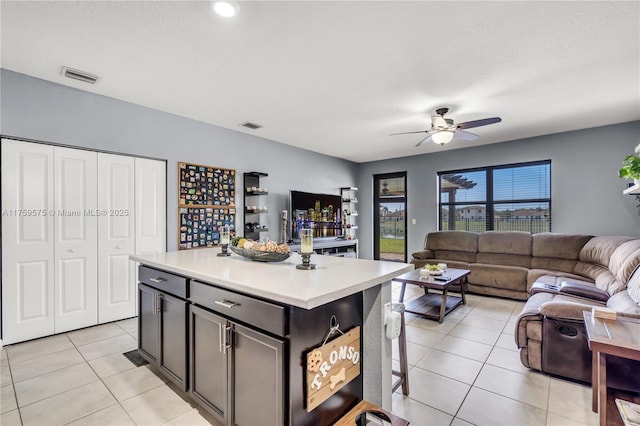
{"type": "Point", "coordinates": [442, 137]}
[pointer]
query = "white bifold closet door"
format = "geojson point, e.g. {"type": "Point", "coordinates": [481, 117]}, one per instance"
{"type": "Point", "coordinates": [76, 238]}
{"type": "Point", "coordinates": [151, 206]}
{"type": "Point", "coordinates": [27, 240]}
{"type": "Point", "coordinates": [116, 237]}
{"type": "Point", "coordinates": [70, 220]}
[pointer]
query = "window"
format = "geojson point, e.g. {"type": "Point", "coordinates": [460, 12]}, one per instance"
{"type": "Point", "coordinates": [513, 197]}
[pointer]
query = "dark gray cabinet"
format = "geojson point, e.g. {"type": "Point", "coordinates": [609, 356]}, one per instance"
{"type": "Point", "coordinates": [162, 326]}
{"type": "Point", "coordinates": [148, 325]}
{"type": "Point", "coordinates": [239, 356]}
{"type": "Point", "coordinates": [257, 378]}
{"type": "Point", "coordinates": [209, 360]}
{"type": "Point", "coordinates": [237, 372]}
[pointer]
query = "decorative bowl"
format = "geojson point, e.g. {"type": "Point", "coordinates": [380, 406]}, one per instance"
{"type": "Point", "coordinates": [260, 256]}
{"type": "Point", "coordinates": [426, 272]}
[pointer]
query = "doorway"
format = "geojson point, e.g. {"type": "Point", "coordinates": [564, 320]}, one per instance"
{"type": "Point", "coordinates": [389, 219]}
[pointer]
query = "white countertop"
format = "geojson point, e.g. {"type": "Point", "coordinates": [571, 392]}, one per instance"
{"type": "Point", "coordinates": [334, 278]}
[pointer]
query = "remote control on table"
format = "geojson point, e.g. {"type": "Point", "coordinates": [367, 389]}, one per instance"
{"type": "Point", "coordinates": [442, 278]}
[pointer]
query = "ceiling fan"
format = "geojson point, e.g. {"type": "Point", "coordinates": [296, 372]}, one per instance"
{"type": "Point", "coordinates": [443, 129]}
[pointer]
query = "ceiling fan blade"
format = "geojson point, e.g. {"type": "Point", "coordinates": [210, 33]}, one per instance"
{"type": "Point", "coordinates": [427, 139]}
{"type": "Point", "coordinates": [478, 123]}
{"type": "Point", "coordinates": [465, 136]}
{"type": "Point", "coordinates": [408, 133]}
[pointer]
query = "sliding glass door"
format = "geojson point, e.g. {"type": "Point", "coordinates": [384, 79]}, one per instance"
{"type": "Point", "coordinates": [390, 225]}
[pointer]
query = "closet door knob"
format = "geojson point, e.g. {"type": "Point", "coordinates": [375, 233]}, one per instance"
{"type": "Point", "coordinates": [118, 247]}
{"type": "Point", "coordinates": [72, 250]}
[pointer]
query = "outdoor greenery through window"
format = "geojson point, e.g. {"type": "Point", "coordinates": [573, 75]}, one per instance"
{"type": "Point", "coordinates": [513, 197]}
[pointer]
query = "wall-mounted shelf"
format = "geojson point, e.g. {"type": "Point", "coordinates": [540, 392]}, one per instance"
{"type": "Point", "coordinates": [635, 188]}
{"type": "Point", "coordinates": [255, 205]}
{"type": "Point", "coordinates": [349, 211]}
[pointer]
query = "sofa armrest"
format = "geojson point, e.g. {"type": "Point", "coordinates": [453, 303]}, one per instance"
{"type": "Point", "coordinates": [584, 290]}
{"type": "Point", "coordinates": [565, 310]}
{"type": "Point", "coordinates": [423, 255]}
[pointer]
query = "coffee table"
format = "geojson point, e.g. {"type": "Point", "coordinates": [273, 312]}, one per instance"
{"type": "Point", "coordinates": [434, 305]}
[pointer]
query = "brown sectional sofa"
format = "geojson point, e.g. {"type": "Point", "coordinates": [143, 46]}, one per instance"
{"type": "Point", "coordinates": [560, 276]}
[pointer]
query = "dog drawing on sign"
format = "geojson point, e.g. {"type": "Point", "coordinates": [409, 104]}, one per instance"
{"type": "Point", "coordinates": [340, 377]}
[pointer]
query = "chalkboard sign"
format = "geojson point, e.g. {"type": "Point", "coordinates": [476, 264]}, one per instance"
{"type": "Point", "coordinates": [206, 202]}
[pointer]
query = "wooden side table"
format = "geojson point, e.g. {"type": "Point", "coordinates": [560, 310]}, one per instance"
{"type": "Point", "coordinates": [619, 337]}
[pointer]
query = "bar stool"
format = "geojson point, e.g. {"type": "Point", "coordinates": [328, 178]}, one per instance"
{"type": "Point", "coordinates": [403, 377]}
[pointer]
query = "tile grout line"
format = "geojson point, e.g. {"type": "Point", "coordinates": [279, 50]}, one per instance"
{"type": "Point", "coordinates": [118, 402]}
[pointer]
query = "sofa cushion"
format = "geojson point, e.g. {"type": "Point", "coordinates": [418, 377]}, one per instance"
{"type": "Point", "coordinates": [598, 250]}
{"type": "Point", "coordinates": [506, 277]}
{"type": "Point", "coordinates": [505, 242]}
{"type": "Point", "coordinates": [549, 276]}
{"type": "Point", "coordinates": [558, 246]}
{"type": "Point", "coordinates": [551, 264]}
{"type": "Point", "coordinates": [423, 255]}
{"type": "Point", "coordinates": [460, 256]}
{"type": "Point", "coordinates": [633, 287]}
{"type": "Point", "coordinates": [419, 263]}
{"type": "Point", "coordinates": [622, 302]}
{"type": "Point", "coordinates": [504, 248]}
{"type": "Point", "coordinates": [504, 259]}
{"type": "Point", "coordinates": [625, 260]}
{"type": "Point", "coordinates": [452, 241]}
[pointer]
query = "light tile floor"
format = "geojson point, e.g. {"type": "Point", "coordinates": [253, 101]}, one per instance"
{"type": "Point", "coordinates": [465, 371]}
{"type": "Point", "coordinates": [82, 378]}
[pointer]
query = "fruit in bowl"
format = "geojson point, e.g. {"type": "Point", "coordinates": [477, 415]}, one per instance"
{"type": "Point", "coordinates": [427, 270]}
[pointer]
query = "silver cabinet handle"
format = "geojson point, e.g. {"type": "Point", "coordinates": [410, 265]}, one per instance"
{"type": "Point", "coordinates": [158, 303]}
{"type": "Point", "coordinates": [157, 280]}
{"type": "Point", "coordinates": [226, 303]}
{"type": "Point", "coordinates": [72, 250]}
{"type": "Point", "coordinates": [154, 304]}
{"type": "Point", "coordinates": [220, 337]}
{"type": "Point", "coordinates": [226, 344]}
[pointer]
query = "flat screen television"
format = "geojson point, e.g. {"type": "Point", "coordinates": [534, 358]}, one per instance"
{"type": "Point", "coordinates": [321, 212]}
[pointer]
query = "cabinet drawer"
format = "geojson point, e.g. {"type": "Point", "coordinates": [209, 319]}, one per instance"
{"type": "Point", "coordinates": [258, 313]}
{"type": "Point", "coordinates": [165, 281]}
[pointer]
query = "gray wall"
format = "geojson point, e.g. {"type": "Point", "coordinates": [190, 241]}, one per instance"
{"type": "Point", "coordinates": [586, 192]}
{"type": "Point", "coordinates": [585, 189]}
{"type": "Point", "coordinates": [41, 110]}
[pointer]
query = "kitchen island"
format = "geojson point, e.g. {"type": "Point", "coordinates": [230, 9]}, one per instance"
{"type": "Point", "coordinates": [235, 334]}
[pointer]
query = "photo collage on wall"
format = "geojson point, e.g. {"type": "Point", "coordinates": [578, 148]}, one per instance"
{"type": "Point", "coordinates": [206, 186]}
{"type": "Point", "coordinates": [200, 227]}
{"type": "Point", "coordinates": [206, 203]}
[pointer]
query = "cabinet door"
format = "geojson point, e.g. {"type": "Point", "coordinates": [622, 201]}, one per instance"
{"type": "Point", "coordinates": [173, 343]}
{"type": "Point", "coordinates": [148, 323]}
{"type": "Point", "coordinates": [27, 241]}
{"type": "Point", "coordinates": [116, 236]}
{"type": "Point", "coordinates": [76, 239]}
{"type": "Point", "coordinates": [257, 378]}
{"type": "Point", "coordinates": [151, 206]}
{"type": "Point", "coordinates": [209, 369]}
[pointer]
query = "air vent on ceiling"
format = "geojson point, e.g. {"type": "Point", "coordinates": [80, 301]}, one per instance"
{"type": "Point", "coordinates": [80, 75]}
{"type": "Point", "coordinates": [250, 125]}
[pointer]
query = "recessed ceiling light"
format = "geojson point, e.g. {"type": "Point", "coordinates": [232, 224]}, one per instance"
{"type": "Point", "coordinates": [226, 9]}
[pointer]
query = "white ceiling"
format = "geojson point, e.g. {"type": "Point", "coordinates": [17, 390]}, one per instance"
{"type": "Point", "coordinates": [337, 77]}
